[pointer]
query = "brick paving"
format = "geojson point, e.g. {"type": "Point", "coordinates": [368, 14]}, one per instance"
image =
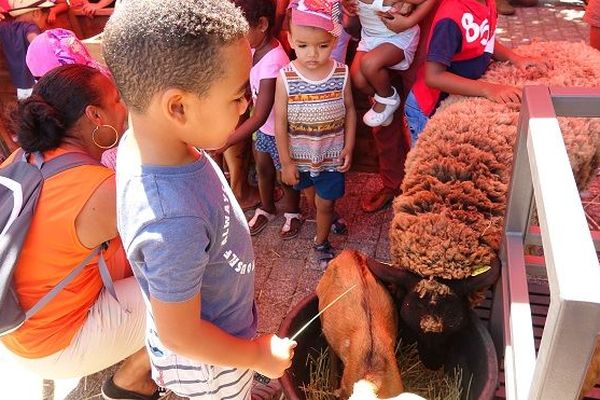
{"type": "Point", "coordinates": [285, 272]}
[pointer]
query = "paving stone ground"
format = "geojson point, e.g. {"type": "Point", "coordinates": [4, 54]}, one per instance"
{"type": "Point", "coordinates": [285, 272]}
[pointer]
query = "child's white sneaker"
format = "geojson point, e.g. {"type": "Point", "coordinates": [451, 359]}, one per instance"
{"type": "Point", "coordinates": [373, 118]}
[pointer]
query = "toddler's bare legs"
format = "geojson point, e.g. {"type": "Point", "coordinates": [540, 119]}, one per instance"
{"type": "Point", "coordinates": [237, 161]}
{"type": "Point", "coordinates": [134, 374]}
{"type": "Point", "coordinates": [373, 66]}
{"type": "Point", "coordinates": [359, 81]}
{"type": "Point", "coordinates": [266, 180]}
{"type": "Point", "coordinates": [325, 211]}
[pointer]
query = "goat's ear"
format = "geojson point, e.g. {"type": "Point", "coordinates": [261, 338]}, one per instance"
{"type": "Point", "coordinates": [482, 278]}
{"type": "Point", "coordinates": [390, 274]}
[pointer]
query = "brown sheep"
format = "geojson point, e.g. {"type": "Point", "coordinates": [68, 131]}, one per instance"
{"type": "Point", "coordinates": [362, 327]}
{"type": "Point", "coordinates": [447, 224]}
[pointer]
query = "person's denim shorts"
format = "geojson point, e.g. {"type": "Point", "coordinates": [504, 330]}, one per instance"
{"type": "Point", "coordinates": [415, 118]}
{"type": "Point", "coordinates": [328, 185]}
{"type": "Point", "coordinates": [266, 144]}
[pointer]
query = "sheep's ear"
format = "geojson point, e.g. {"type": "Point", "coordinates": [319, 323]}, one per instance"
{"type": "Point", "coordinates": [390, 274]}
{"type": "Point", "coordinates": [483, 277]}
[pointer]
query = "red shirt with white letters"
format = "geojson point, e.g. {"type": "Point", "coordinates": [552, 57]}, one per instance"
{"type": "Point", "coordinates": [462, 38]}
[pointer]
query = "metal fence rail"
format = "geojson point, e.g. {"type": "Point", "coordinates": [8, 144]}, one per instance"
{"type": "Point", "coordinates": [541, 170]}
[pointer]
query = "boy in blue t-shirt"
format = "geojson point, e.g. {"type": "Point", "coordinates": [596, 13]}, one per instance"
{"type": "Point", "coordinates": [182, 67]}
{"type": "Point", "coordinates": [461, 45]}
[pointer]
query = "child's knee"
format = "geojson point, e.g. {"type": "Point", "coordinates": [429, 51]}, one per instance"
{"type": "Point", "coordinates": [323, 205]}
{"type": "Point", "coordinates": [369, 65]}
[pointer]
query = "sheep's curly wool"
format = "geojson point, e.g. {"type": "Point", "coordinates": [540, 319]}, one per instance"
{"type": "Point", "coordinates": [448, 221]}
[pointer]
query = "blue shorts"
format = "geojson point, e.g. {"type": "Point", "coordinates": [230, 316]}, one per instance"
{"type": "Point", "coordinates": [328, 185]}
{"type": "Point", "coordinates": [415, 118]}
{"type": "Point", "coordinates": [266, 144]}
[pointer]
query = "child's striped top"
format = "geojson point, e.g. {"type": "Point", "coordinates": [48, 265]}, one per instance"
{"type": "Point", "coordinates": [316, 115]}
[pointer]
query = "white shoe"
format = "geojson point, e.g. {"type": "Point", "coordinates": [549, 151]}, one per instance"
{"type": "Point", "coordinates": [384, 118]}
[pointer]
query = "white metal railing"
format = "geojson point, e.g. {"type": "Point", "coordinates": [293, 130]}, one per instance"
{"type": "Point", "coordinates": [541, 170]}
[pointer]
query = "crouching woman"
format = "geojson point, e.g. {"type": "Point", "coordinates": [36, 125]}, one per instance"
{"type": "Point", "coordinates": [83, 329]}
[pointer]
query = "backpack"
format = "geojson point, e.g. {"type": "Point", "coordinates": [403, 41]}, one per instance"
{"type": "Point", "coordinates": [20, 185]}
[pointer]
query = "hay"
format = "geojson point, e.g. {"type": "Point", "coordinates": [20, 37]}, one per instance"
{"type": "Point", "coordinates": [432, 385]}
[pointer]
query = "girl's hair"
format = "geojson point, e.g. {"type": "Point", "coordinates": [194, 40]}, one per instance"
{"type": "Point", "coordinates": [58, 100]}
{"type": "Point", "coordinates": [254, 9]}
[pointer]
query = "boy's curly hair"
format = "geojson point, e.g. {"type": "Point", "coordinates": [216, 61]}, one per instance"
{"type": "Point", "coordinates": [254, 9]}
{"type": "Point", "coordinates": [154, 45]}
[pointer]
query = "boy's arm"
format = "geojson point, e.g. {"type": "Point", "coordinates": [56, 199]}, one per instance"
{"type": "Point", "coordinates": [289, 172]}
{"type": "Point", "coordinates": [349, 129]}
{"type": "Point", "coordinates": [262, 109]}
{"type": "Point", "coordinates": [182, 331]}
{"type": "Point", "coordinates": [174, 260]}
{"type": "Point", "coordinates": [397, 22]}
{"type": "Point", "coordinates": [437, 76]}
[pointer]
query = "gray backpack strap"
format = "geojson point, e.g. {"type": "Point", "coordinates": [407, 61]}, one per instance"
{"type": "Point", "coordinates": [105, 275]}
{"type": "Point", "coordinates": [62, 163]}
{"type": "Point", "coordinates": [64, 282]}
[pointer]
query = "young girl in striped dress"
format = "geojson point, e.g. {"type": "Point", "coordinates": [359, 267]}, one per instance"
{"type": "Point", "coordinates": [315, 120]}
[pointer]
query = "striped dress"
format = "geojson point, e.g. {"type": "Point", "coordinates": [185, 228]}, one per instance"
{"type": "Point", "coordinates": [316, 115]}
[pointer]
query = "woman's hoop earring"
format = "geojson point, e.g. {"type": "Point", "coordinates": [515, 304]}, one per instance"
{"type": "Point", "coordinates": [95, 131]}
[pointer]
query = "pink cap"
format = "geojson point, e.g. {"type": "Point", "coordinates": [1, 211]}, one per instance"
{"type": "Point", "coordinates": [56, 47]}
{"type": "Point", "coordinates": [317, 13]}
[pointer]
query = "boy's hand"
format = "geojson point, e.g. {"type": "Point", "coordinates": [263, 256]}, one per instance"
{"type": "Point", "coordinates": [346, 158]}
{"type": "Point", "coordinates": [350, 7]}
{"type": "Point", "coordinates": [525, 62]}
{"type": "Point", "coordinates": [289, 174]}
{"type": "Point", "coordinates": [502, 93]}
{"type": "Point", "coordinates": [275, 355]}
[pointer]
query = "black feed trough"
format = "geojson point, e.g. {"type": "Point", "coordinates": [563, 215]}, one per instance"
{"type": "Point", "coordinates": [473, 352]}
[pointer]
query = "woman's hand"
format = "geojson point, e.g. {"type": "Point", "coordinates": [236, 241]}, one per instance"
{"type": "Point", "coordinates": [402, 8]}
{"type": "Point", "coordinates": [395, 21]}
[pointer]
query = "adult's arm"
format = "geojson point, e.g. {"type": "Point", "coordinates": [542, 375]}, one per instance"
{"type": "Point", "coordinates": [97, 221]}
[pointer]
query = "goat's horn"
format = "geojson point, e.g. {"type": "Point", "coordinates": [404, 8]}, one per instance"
{"type": "Point", "coordinates": [391, 274]}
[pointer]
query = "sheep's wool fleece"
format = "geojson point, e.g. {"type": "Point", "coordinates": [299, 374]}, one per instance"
{"type": "Point", "coordinates": [448, 221]}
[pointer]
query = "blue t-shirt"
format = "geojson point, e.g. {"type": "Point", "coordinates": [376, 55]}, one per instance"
{"type": "Point", "coordinates": [184, 234]}
{"type": "Point", "coordinates": [13, 37]}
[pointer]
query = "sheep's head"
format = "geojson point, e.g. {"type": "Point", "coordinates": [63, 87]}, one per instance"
{"type": "Point", "coordinates": [449, 244]}
{"type": "Point", "coordinates": [433, 309]}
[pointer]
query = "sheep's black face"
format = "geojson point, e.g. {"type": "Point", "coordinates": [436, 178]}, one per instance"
{"type": "Point", "coordinates": [433, 320]}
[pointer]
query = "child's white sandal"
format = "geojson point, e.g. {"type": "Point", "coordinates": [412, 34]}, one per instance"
{"type": "Point", "coordinates": [384, 118]}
